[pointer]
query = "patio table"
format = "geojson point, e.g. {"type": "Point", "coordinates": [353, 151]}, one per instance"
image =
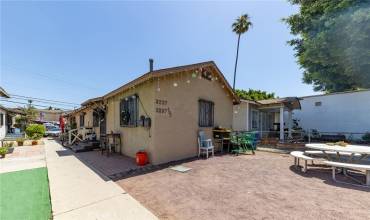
{"type": "Point", "coordinates": [351, 149]}
{"type": "Point", "coordinates": [364, 151]}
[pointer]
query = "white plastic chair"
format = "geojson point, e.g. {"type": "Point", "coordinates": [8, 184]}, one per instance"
{"type": "Point", "coordinates": [205, 145]}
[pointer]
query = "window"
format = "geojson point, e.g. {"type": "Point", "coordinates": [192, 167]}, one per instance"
{"type": "Point", "coordinates": [82, 120]}
{"type": "Point", "coordinates": [206, 113]}
{"type": "Point", "coordinates": [318, 103]}
{"type": "Point", "coordinates": [129, 111]}
{"type": "Point", "coordinates": [254, 119]}
{"type": "Point", "coordinates": [95, 118]}
{"type": "Point", "coordinates": [1, 119]}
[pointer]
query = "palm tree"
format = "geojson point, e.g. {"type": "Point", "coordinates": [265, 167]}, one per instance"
{"type": "Point", "coordinates": [240, 26]}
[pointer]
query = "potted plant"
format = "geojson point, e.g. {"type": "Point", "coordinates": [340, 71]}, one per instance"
{"type": "Point", "coordinates": [3, 151]}
{"type": "Point", "coordinates": [20, 141]}
{"type": "Point", "coordinates": [35, 132]}
{"type": "Point", "coordinates": [9, 145]}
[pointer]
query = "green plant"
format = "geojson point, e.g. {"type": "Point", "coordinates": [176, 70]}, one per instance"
{"type": "Point", "coordinates": [366, 137]}
{"type": "Point", "coordinates": [332, 43]}
{"type": "Point", "coordinates": [8, 144]}
{"type": "Point", "coordinates": [3, 151]}
{"type": "Point", "coordinates": [35, 131]}
{"type": "Point", "coordinates": [20, 141]}
{"type": "Point", "coordinates": [254, 95]}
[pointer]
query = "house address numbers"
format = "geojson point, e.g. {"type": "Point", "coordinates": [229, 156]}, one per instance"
{"type": "Point", "coordinates": [162, 107]}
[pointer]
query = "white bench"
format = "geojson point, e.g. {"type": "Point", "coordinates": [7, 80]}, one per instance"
{"type": "Point", "coordinates": [365, 167]}
{"type": "Point", "coordinates": [300, 155]}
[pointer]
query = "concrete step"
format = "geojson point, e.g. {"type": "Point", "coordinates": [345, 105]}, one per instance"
{"type": "Point", "coordinates": [85, 146]}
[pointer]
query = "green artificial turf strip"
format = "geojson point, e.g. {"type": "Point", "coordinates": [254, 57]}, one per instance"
{"type": "Point", "coordinates": [25, 195]}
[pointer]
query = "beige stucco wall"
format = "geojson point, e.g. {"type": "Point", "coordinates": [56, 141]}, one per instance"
{"type": "Point", "coordinates": [241, 117]}
{"type": "Point", "coordinates": [133, 138]}
{"type": "Point", "coordinates": [176, 135]}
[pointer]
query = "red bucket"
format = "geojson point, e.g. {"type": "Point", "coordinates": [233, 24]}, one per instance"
{"type": "Point", "coordinates": [141, 158]}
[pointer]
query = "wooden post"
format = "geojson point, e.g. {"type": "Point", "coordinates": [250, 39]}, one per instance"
{"type": "Point", "coordinates": [282, 123]}
{"type": "Point", "coordinates": [290, 122]}
{"type": "Point", "coordinates": [69, 137]}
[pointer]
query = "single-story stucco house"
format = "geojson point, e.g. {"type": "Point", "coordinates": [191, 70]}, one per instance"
{"type": "Point", "coordinates": [162, 111]}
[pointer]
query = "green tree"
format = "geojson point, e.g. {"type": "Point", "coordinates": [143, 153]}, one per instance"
{"type": "Point", "coordinates": [333, 43]}
{"type": "Point", "coordinates": [240, 26]}
{"type": "Point", "coordinates": [254, 95]}
{"type": "Point", "coordinates": [29, 116]}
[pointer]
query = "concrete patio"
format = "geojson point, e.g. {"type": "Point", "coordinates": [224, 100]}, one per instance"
{"type": "Point", "coordinates": [114, 166]}
{"type": "Point", "coordinates": [264, 186]}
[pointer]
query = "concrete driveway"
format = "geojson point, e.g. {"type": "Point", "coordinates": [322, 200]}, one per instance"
{"type": "Point", "coordinates": [79, 192]}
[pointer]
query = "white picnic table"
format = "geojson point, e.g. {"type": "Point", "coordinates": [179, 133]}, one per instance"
{"type": "Point", "coordinates": [350, 149]}
{"type": "Point", "coordinates": [356, 153]}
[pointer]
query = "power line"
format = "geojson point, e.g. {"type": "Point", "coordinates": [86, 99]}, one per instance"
{"type": "Point", "coordinates": [44, 106]}
{"type": "Point", "coordinates": [42, 99]}
{"type": "Point", "coordinates": [55, 77]}
{"type": "Point", "coordinates": [44, 102]}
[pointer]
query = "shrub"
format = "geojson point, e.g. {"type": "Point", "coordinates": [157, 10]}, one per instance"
{"type": "Point", "coordinates": [35, 131]}
{"type": "Point", "coordinates": [8, 144]}
{"type": "Point", "coordinates": [366, 137]}
{"type": "Point", "coordinates": [3, 151]}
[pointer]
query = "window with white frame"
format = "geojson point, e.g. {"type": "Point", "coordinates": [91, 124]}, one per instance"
{"type": "Point", "coordinates": [255, 120]}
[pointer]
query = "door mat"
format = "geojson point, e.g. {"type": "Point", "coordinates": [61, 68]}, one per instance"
{"type": "Point", "coordinates": [180, 168]}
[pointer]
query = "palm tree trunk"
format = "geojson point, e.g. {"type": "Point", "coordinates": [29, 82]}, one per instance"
{"type": "Point", "coordinates": [236, 61]}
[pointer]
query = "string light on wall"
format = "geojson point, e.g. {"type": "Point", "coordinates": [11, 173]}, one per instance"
{"type": "Point", "coordinates": [175, 84]}
{"type": "Point", "coordinates": [188, 79]}
{"type": "Point", "coordinates": [158, 88]}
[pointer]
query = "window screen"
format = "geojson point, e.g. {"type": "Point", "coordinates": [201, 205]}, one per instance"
{"type": "Point", "coordinates": [129, 111]}
{"type": "Point", "coordinates": [206, 113]}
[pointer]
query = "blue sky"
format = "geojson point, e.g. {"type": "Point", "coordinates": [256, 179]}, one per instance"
{"type": "Point", "coordinates": [72, 51]}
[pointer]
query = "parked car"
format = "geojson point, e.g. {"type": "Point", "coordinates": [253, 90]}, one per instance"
{"type": "Point", "coordinates": [53, 131]}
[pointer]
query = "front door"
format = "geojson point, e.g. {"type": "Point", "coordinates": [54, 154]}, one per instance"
{"type": "Point", "coordinates": [103, 123]}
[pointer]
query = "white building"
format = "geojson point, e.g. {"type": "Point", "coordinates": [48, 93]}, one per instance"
{"type": "Point", "coordinates": [3, 126]}
{"type": "Point", "coordinates": [343, 112]}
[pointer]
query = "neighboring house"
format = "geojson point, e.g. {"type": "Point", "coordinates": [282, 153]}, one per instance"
{"type": "Point", "coordinates": [3, 126]}
{"type": "Point", "coordinates": [7, 121]}
{"type": "Point", "coordinates": [162, 111]}
{"type": "Point", "coordinates": [336, 112]}
{"type": "Point", "coordinates": [266, 116]}
{"type": "Point", "coordinates": [88, 116]}
{"type": "Point", "coordinates": [3, 93]}
{"type": "Point", "coordinates": [3, 115]}
{"type": "Point", "coordinates": [46, 115]}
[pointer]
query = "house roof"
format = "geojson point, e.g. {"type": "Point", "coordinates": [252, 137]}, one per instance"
{"type": "Point", "coordinates": [12, 110]}
{"type": "Point", "coordinates": [92, 100]}
{"type": "Point", "coordinates": [173, 70]}
{"type": "Point", "coordinates": [336, 93]}
{"type": "Point", "coordinates": [290, 102]}
{"type": "Point", "coordinates": [3, 93]}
